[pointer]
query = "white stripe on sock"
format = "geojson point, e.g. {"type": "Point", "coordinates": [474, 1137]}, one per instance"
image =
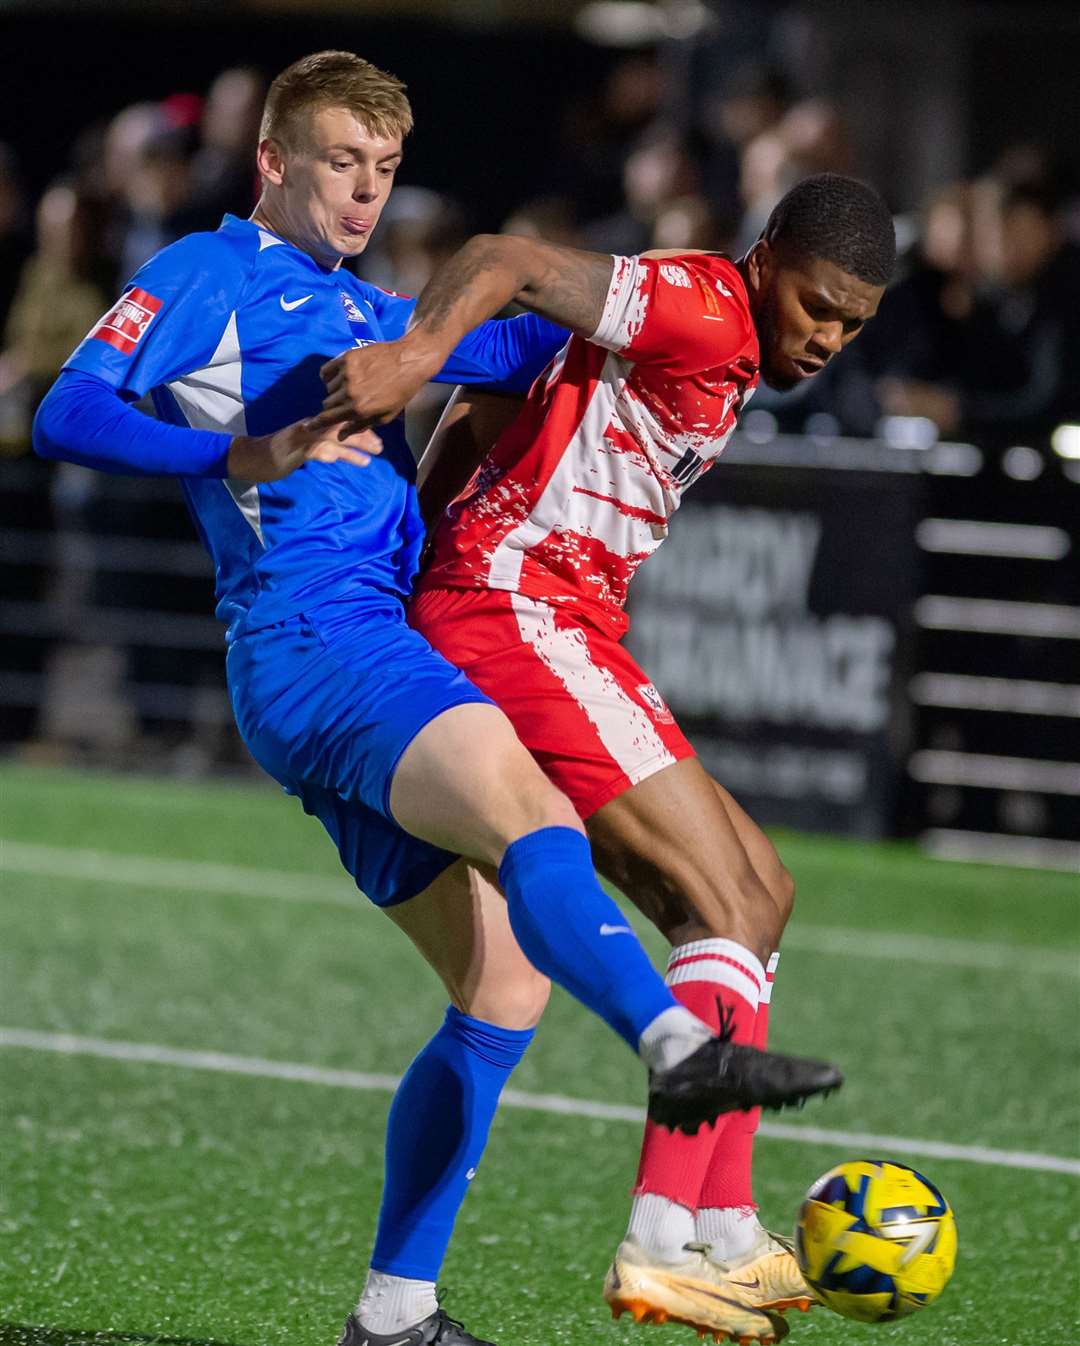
{"type": "Point", "coordinates": [720, 948]}
{"type": "Point", "coordinates": [721, 962]}
{"type": "Point", "coordinates": [770, 976]}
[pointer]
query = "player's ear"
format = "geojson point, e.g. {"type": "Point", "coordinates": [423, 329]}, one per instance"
{"type": "Point", "coordinates": [760, 263]}
{"type": "Point", "coordinates": [271, 162]}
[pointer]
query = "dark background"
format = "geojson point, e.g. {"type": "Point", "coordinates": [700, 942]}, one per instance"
{"type": "Point", "coordinates": [932, 89]}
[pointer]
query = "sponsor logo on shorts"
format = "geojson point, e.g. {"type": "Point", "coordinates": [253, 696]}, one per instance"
{"type": "Point", "coordinates": [124, 324]}
{"type": "Point", "coordinates": [656, 703]}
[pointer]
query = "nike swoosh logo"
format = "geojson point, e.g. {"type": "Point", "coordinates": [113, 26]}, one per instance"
{"type": "Point", "coordinates": [288, 306]}
{"type": "Point", "coordinates": [606, 929]}
{"type": "Point", "coordinates": [755, 1284]}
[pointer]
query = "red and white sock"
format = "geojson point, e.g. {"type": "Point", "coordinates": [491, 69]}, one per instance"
{"type": "Point", "coordinates": [706, 976]}
{"type": "Point", "coordinates": [726, 1217]}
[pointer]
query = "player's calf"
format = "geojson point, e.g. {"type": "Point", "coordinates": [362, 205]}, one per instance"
{"type": "Point", "coordinates": [671, 844]}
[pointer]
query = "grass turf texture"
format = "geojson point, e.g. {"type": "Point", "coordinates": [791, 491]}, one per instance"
{"type": "Point", "coordinates": [155, 1202]}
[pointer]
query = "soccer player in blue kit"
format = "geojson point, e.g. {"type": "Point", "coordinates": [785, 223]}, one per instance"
{"type": "Point", "coordinates": [315, 535]}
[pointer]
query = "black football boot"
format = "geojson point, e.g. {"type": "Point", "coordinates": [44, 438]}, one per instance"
{"type": "Point", "coordinates": [724, 1076]}
{"type": "Point", "coordinates": [438, 1329]}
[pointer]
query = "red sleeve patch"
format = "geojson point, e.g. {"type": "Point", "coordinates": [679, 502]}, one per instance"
{"type": "Point", "coordinates": [124, 324]}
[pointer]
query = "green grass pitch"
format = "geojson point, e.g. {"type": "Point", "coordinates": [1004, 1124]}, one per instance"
{"type": "Point", "coordinates": [147, 1201]}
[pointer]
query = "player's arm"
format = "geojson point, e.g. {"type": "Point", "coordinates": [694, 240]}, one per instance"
{"type": "Point", "coordinates": [564, 285]}
{"type": "Point", "coordinates": [473, 420]}
{"type": "Point", "coordinates": [169, 322]}
{"type": "Point", "coordinates": [507, 353]}
{"type": "Point", "coordinates": [86, 421]}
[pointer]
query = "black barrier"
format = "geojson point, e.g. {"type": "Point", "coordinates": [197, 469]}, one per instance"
{"type": "Point", "coordinates": [777, 623]}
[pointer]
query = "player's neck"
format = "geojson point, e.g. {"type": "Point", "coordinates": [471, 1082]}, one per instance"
{"type": "Point", "coordinates": [742, 266]}
{"type": "Point", "coordinates": [268, 216]}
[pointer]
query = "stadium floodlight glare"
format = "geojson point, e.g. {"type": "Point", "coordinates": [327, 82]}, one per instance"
{"type": "Point", "coordinates": [635, 23]}
{"type": "Point", "coordinates": [1065, 441]}
{"type": "Point", "coordinates": [907, 432]}
{"type": "Point", "coordinates": [759, 426]}
{"type": "Point", "coordinates": [1022, 463]}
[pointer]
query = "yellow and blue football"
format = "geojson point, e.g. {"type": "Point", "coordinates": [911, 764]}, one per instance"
{"type": "Point", "coordinates": [875, 1240]}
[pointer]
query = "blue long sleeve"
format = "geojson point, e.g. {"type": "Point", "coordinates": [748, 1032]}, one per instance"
{"type": "Point", "coordinates": [83, 420]}
{"type": "Point", "coordinates": [505, 353]}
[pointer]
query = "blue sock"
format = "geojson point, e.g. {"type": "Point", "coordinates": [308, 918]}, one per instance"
{"type": "Point", "coordinates": [435, 1135]}
{"type": "Point", "coordinates": [574, 933]}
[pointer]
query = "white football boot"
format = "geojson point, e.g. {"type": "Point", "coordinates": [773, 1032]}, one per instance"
{"type": "Point", "coordinates": [766, 1276]}
{"type": "Point", "coordinates": [686, 1292]}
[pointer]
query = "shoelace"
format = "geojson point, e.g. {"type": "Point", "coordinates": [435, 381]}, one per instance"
{"type": "Point", "coordinates": [446, 1320]}
{"type": "Point", "coordinates": [704, 1249]}
{"type": "Point", "coordinates": [727, 1021]}
{"type": "Point", "coordinates": [788, 1244]}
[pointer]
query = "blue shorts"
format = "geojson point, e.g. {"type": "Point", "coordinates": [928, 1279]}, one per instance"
{"type": "Point", "coordinates": [327, 702]}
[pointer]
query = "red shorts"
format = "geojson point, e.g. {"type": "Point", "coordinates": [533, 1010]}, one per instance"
{"type": "Point", "coordinates": [579, 703]}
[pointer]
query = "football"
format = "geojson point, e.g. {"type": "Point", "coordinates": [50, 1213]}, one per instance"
{"type": "Point", "coordinates": [875, 1240]}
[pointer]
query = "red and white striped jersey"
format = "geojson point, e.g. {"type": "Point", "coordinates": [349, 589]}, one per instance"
{"type": "Point", "coordinates": [580, 488]}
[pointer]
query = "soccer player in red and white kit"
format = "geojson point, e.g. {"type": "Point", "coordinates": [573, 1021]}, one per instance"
{"type": "Point", "coordinates": [525, 590]}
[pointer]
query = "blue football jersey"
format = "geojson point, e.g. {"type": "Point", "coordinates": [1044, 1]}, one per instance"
{"type": "Point", "coordinates": [227, 331]}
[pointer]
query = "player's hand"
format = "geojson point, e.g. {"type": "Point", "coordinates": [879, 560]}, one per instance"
{"type": "Point", "coordinates": [370, 385]}
{"type": "Point", "coordinates": [271, 457]}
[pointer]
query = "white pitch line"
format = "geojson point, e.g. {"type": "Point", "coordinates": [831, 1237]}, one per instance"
{"type": "Point", "coordinates": [117, 869]}
{"type": "Point", "coordinates": [941, 950]}
{"type": "Point", "coordinates": [197, 876]}
{"type": "Point", "coordinates": [148, 1053]}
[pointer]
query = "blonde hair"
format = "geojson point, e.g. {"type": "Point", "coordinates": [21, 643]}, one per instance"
{"type": "Point", "coordinates": [335, 79]}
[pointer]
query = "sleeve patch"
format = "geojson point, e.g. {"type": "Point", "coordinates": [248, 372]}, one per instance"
{"type": "Point", "coordinates": [126, 322]}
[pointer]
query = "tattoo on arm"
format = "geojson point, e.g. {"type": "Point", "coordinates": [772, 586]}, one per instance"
{"type": "Point", "coordinates": [566, 285]}
{"type": "Point", "coordinates": [476, 261]}
{"type": "Point", "coordinates": [572, 288]}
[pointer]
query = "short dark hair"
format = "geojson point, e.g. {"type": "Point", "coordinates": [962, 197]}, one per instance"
{"type": "Point", "coordinates": [839, 219]}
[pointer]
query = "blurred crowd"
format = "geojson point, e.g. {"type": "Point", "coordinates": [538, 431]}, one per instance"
{"type": "Point", "coordinates": [979, 334]}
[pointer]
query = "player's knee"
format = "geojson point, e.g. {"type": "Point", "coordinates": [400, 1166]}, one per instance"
{"type": "Point", "coordinates": [516, 1002]}
{"type": "Point", "coordinates": [522, 798]}
{"type": "Point", "coordinates": [539, 804]}
{"type": "Point", "coordinates": [560, 812]}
